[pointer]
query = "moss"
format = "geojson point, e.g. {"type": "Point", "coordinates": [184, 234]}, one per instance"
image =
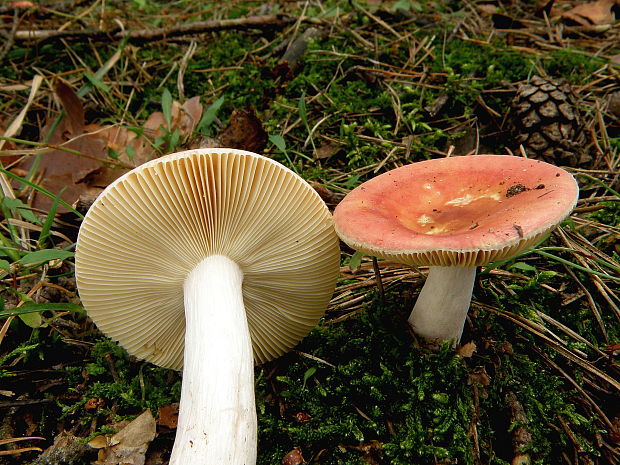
{"type": "Point", "coordinates": [379, 394]}
{"type": "Point", "coordinates": [132, 388]}
{"type": "Point", "coordinates": [571, 65]}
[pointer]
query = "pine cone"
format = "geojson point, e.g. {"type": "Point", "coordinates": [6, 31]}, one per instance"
{"type": "Point", "coordinates": [546, 123]}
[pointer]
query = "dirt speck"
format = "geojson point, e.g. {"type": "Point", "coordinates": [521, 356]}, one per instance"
{"type": "Point", "coordinates": [516, 189]}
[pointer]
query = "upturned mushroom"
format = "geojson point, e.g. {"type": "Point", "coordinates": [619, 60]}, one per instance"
{"type": "Point", "coordinates": [454, 214]}
{"type": "Point", "coordinates": [209, 261]}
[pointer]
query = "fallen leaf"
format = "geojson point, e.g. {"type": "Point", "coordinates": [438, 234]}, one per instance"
{"type": "Point", "coordinates": [244, 131]}
{"type": "Point", "coordinates": [325, 151]}
{"type": "Point", "coordinates": [192, 112]}
{"type": "Point", "coordinates": [168, 415]}
{"type": "Point", "coordinates": [487, 9]}
{"type": "Point", "coordinates": [67, 448]}
{"type": "Point", "coordinates": [302, 417]}
{"type": "Point", "coordinates": [74, 111]}
{"type": "Point", "coordinates": [94, 403]}
{"type": "Point", "coordinates": [593, 13]}
{"type": "Point", "coordinates": [294, 457]}
{"type": "Point", "coordinates": [371, 450]}
{"type": "Point", "coordinates": [480, 376]}
{"type": "Point", "coordinates": [467, 350]}
{"type": "Point", "coordinates": [183, 118]}
{"type": "Point", "coordinates": [129, 445]}
{"type": "Point", "coordinates": [60, 169]}
{"type": "Point", "coordinates": [22, 4]}
{"type": "Point", "coordinates": [326, 194]}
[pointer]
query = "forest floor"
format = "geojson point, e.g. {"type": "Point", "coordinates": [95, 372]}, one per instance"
{"type": "Point", "coordinates": [339, 92]}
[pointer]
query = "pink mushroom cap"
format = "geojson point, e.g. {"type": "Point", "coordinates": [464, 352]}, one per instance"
{"type": "Point", "coordinates": [464, 211]}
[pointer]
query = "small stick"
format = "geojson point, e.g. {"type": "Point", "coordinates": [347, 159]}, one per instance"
{"type": "Point", "coordinates": [108, 359]}
{"type": "Point", "coordinates": [521, 437]}
{"type": "Point", "coordinates": [145, 35]}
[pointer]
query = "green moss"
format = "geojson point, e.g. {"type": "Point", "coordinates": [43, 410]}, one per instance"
{"type": "Point", "coordinates": [378, 392]}
{"type": "Point", "coordinates": [133, 388]}
{"type": "Point", "coordinates": [610, 214]}
{"type": "Point", "coordinates": [572, 65]}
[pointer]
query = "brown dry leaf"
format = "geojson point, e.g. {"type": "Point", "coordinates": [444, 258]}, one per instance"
{"type": "Point", "coordinates": [74, 111]}
{"type": "Point", "coordinates": [467, 350]}
{"type": "Point", "coordinates": [168, 415]}
{"type": "Point", "coordinates": [8, 145]}
{"type": "Point", "coordinates": [129, 445]}
{"type": "Point", "coordinates": [244, 131]}
{"type": "Point", "coordinates": [59, 169]}
{"type": "Point", "coordinates": [192, 112]}
{"type": "Point", "coordinates": [183, 118]}
{"type": "Point", "coordinates": [371, 451]}
{"type": "Point", "coordinates": [294, 457]}
{"type": "Point", "coordinates": [94, 403]}
{"type": "Point", "coordinates": [67, 448]}
{"type": "Point", "coordinates": [594, 13]}
{"type": "Point", "coordinates": [480, 376]}
{"type": "Point", "coordinates": [326, 151]}
{"type": "Point", "coordinates": [487, 9]}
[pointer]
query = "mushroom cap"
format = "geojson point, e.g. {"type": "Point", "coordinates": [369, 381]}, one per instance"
{"type": "Point", "coordinates": [464, 211]}
{"type": "Point", "coordinates": [152, 226]}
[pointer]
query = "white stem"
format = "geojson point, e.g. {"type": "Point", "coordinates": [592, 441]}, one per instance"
{"type": "Point", "coordinates": [217, 415]}
{"type": "Point", "coordinates": [441, 308]}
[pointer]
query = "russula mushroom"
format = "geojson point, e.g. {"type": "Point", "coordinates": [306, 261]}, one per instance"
{"type": "Point", "coordinates": [208, 260]}
{"type": "Point", "coordinates": [454, 214]}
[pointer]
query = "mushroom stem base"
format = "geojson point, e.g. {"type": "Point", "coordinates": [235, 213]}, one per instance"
{"type": "Point", "coordinates": [441, 308]}
{"type": "Point", "coordinates": [217, 415]}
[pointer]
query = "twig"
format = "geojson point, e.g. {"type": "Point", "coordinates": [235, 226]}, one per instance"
{"type": "Point", "coordinates": [144, 35]}
{"type": "Point", "coordinates": [521, 436]}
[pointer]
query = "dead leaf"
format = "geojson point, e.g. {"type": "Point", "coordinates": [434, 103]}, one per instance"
{"type": "Point", "coordinates": [294, 457]}
{"type": "Point", "coordinates": [60, 169]}
{"type": "Point", "coordinates": [94, 403]}
{"type": "Point", "coordinates": [183, 118]}
{"type": "Point", "coordinates": [129, 445]}
{"type": "Point", "coordinates": [487, 9]}
{"type": "Point", "coordinates": [244, 131]}
{"type": "Point", "coordinates": [328, 196]}
{"type": "Point", "coordinates": [74, 111]}
{"type": "Point", "coordinates": [371, 450]}
{"type": "Point", "coordinates": [168, 415]}
{"type": "Point", "coordinates": [67, 448]}
{"type": "Point", "coordinates": [192, 112]}
{"type": "Point", "coordinates": [325, 151]}
{"type": "Point", "coordinates": [480, 376]}
{"type": "Point", "coordinates": [613, 104]}
{"type": "Point", "coordinates": [302, 417]}
{"type": "Point", "coordinates": [467, 350]}
{"type": "Point", "coordinates": [544, 7]}
{"type": "Point", "coordinates": [22, 4]}
{"type": "Point", "coordinates": [594, 13]}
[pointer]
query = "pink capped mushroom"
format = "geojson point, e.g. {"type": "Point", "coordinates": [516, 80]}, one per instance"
{"type": "Point", "coordinates": [454, 214]}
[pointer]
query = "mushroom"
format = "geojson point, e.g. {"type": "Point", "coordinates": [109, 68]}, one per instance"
{"type": "Point", "coordinates": [454, 214]}
{"type": "Point", "coordinates": [208, 260]}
